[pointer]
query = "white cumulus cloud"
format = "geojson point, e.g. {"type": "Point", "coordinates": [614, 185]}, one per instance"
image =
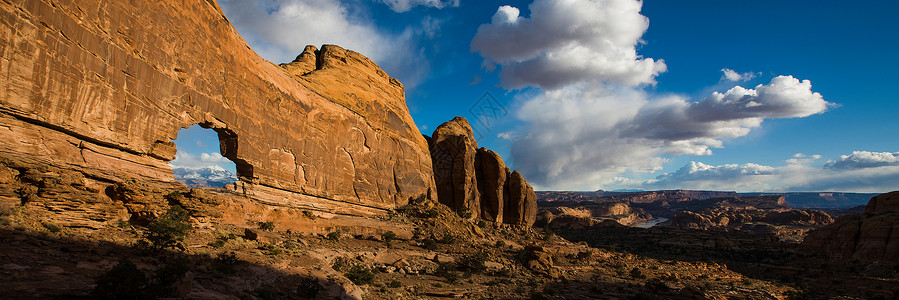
{"type": "Point", "coordinates": [565, 42]}
{"type": "Point", "coordinates": [580, 135]}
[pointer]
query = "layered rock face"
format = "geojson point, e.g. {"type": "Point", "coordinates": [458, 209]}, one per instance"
{"type": "Point", "coordinates": [477, 179]}
{"type": "Point", "coordinates": [102, 88]}
{"type": "Point", "coordinates": [870, 237]}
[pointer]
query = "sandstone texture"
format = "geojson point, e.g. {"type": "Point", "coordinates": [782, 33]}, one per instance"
{"type": "Point", "coordinates": [476, 179]}
{"type": "Point", "coordinates": [453, 153]}
{"type": "Point", "coordinates": [870, 237]}
{"type": "Point", "coordinates": [102, 88]}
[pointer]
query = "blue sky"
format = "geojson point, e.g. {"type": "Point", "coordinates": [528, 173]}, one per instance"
{"type": "Point", "coordinates": [619, 94]}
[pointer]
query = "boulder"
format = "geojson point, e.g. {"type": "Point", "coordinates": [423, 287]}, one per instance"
{"type": "Point", "coordinates": [491, 176]}
{"type": "Point", "coordinates": [453, 151]}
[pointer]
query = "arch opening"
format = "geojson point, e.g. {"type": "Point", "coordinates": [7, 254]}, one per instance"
{"type": "Point", "coordinates": [205, 157]}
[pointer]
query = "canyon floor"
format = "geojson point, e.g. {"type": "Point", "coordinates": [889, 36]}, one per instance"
{"type": "Point", "coordinates": [441, 256]}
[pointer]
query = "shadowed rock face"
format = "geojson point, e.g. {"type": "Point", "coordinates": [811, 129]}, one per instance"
{"type": "Point", "coordinates": [104, 87]}
{"type": "Point", "coordinates": [871, 237]}
{"type": "Point", "coordinates": [478, 179]}
{"type": "Point", "coordinates": [453, 151]}
{"type": "Point", "coordinates": [492, 174]}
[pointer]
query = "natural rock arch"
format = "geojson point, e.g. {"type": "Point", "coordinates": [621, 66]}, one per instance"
{"type": "Point", "coordinates": [103, 87]}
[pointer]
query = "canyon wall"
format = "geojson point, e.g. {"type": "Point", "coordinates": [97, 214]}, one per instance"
{"type": "Point", "coordinates": [102, 88]}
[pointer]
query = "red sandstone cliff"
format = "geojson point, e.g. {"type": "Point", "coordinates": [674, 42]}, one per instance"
{"type": "Point", "coordinates": [103, 88]}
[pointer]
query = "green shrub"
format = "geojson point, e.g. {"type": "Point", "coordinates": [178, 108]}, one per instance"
{"type": "Point", "coordinates": [334, 236]}
{"type": "Point", "coordinates": [169, 229]}
{"type": "Point", "coordinates": [448, 271]}
{"type": "Point", "coordinates": [123, 281]}
{"type": "Point", "coordinates": [272, 250]}
{"type": "Point", "coordinates": [637, 274]}
{"type": "Point", "coordinates": [464, 212]}
{"type": "Point", "coordinates": [394, 284]}
{"type": "Point", "coordinates": [448, 239]}
{"type": "Point", "coordinates": [226, 263]}
{"type": "Point", "coordinates": [474, 263]}
{"type": "Point", "coordinates": [388, 237]}
{"type": "Point", "coordinates": [432, 213]}
{"type": "Point", "coordinates": [429, 244]}
{"type": "Point", "coordinates": [222, 240]}
{"type": "Point", "coordinates": [361, 275]}
{"type": "Point", "coordinates": [584, 255]}
{"type": "Point", "coordinates": [267, 226]}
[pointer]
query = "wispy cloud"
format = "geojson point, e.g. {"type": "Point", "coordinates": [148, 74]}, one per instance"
{"type": "Point", "coordinates": [863, 171]}
{"type": "Point", "coordinates": [731, 75]}
{"type": "Point", "coordinates": [406, 5]}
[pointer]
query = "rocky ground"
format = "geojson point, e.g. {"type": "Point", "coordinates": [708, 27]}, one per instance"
{"type": "Point", "coordinates": [443, 255]}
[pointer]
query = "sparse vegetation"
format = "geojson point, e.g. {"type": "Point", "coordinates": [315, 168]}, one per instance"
{"type": "Point", "coordinates": [474, 263]}
{"type": "Point", "coordinates": [464, 212]}
{"type": "Point", "coordinates": [169, 229]}
{"type": "Point", "coordinates": [126, 281]}
{"type": "Point", "coordinates": [222, 240]}
{"type": "Point", "coordinates": [447, 239]}
{"type": "Point", "coordinates": [334, 236]}
{"type": "Point", "coordinates": [226, 263]}
{"type": "Point", "coordinates": [448, 271]}
{"type": "Point", "coordinates": [388, 237]}
{"type": "Point", "coordinates": [637, 274]}
{"type": "Point", "coordinates": [361, 275]}
{"type": "Point", "coordinates": [394, 284]}
{"type": "Point", "coordinates": [271, 249]}
{"type": "Point", "coordinates": [429, 244]}
{"type": "Point", "coordinates": [267, 226]}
